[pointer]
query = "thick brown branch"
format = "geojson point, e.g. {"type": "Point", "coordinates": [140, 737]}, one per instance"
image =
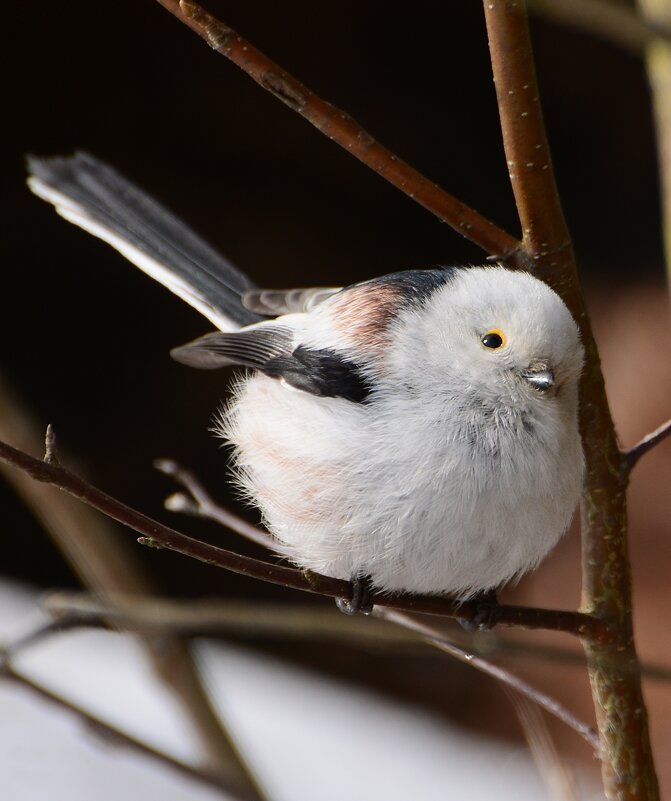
{"type": "Point", "coordinates": [647, 443]}
{"type": "Point", "coordinates": [342, 129]}
{"type": "Point", "coordinates": [627, 765]}
{"type": "Point", "coordinates": [544, 232]}
{"type": "Point", "coordinates": [157, 535]}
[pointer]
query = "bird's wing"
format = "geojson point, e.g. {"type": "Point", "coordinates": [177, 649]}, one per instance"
{"type": "Point", "coordinates": [272, 349]}
{"type": "Point", "coordinates": [98, 199]}
{"type": "Point", "coordinates": [274, 302]}
{"type": "Point", "coordinates": [251, 347]}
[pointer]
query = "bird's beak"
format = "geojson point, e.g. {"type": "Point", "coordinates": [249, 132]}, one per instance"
{"type": "Point", "coordinates": [539, 376]}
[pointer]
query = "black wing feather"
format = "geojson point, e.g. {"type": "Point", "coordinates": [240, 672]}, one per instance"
{"type": "Point", "coordinates": [270, 348]}
{"type": "Point", "coordinates": [321, 372]}
{"type": "Point", "coordinates": [251, 347]}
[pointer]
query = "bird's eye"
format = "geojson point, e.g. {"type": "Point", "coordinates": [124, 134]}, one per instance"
{"type": "Point", "coordinates": [494, 339]}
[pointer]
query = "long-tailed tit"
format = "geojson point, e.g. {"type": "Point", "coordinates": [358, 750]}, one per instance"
{"type": "Point", "coordinates": [419, 429]}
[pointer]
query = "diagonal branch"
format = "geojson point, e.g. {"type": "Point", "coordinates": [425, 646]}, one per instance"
{"type": "Point", "coordinates": [110, 568]}
{"type": "Point", "coordinates": [647, 443]}
{"type": "Point", "coordinates": [549, 704]}
{"type": "Point", "coordinates": [199, 504]}
{"type": "Point", "coordinates": [159, 536]}
{"type": "Point", "coordinates": [342, 129]}
{"type": "Point", "coordinates": [152, 618]}
{"type": "Point", "coordinates": [545, 234]}
{"type": "Point", "coordinates": [115, 734]}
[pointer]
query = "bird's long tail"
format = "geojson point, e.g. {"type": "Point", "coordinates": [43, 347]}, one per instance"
{"type": "Point", "coordinates": [96, 197]}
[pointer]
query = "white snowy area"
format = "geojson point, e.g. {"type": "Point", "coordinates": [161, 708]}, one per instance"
{"type": "Point", "coordinates": [306, 736]}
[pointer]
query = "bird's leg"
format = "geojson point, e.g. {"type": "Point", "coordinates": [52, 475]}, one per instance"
{"type": "Point", "coordinates": [361, 601]}
{"type": "Point", "coordinates": [485, 617]}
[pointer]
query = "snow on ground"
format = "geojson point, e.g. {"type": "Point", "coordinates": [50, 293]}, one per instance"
{"type": "Point", "coordinates": [306, 736]}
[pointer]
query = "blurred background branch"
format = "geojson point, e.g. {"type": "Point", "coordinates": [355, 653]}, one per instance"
{"type": "Point", "coordinates": [614, 20]}
{"type": "Point", "coordinates": [107, 565]}
{"type": "Point", "coordinates": [657, 13]}
{"type": "Point", "coordinates": [211, 776]}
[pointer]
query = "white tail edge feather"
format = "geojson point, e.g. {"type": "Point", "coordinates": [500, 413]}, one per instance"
{"type": "Point", "coordinates": [76, 214]}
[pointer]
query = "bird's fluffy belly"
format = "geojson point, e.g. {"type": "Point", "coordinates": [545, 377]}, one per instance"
{"type": "Point", "coordinates": [348, 493]}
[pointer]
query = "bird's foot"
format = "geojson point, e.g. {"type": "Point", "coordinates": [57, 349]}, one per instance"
{"type": "Point", "coordinates": [360, 601]}
{"type": "Point", "coordinates": [485, 618]}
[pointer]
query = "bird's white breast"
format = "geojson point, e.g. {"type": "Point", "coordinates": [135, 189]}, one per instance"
{"type": "Point", "coordinates": [424, 495]}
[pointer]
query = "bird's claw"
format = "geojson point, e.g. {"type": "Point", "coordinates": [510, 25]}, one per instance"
{"type": "Point", "coordinates": [486, 614]}
{"type": "Point", "coordinates": [360, 601]}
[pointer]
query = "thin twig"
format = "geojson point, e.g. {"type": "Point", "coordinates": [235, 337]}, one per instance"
{"type": "Point", "coordinates": [244, 618]}
{"type": "Point", "coordinates": [160, 536]}
{"type": "Point", "coordinates": [438, 639]}
{"type": "Point", "coordinates": [647, 443]}
{"type": "Point", "coordinates": [89, 614]}
{"type": "Point", "coordinates": [342, 129]}
{"type": "Point", "coordinates": [232, 617]}
{"type": "Point", "coordinates": [34, 636]}
{"type": "Point", "coordinates": [112, 733]}
{"type": "Point", "coordinates": [50, 450]}
{"type": "Point", "coordinates": [200, 504]}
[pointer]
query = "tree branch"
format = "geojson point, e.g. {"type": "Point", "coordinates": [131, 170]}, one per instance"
{"type": "Point", "coordinates": [199, 504]}
{"type": "Point", "coordinates": [157, 535]}
{"type": "Point", "coordinates": [627, 765]}
{"type": "Point", "coordinates": [254, 619]}
{"type": "Point", "coordinates": [647, 443]}
{"type": "Point", "coordinates": [342, 129]}
{"type": "Point", "coordinates": [438, 639]}
{"type": "Point", "coordinates": [114, 734]}
{"type": "Point", "coordinates": [151, 617]}
{"type": "Point", "coordinates": [545, 236]}
{"type": "Point", "coordinates": [111, 569]}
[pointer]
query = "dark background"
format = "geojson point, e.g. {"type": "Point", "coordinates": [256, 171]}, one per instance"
{"type": "Point", "coordinates": [85, 336]}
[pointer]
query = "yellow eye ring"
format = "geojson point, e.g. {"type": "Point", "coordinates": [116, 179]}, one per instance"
{"type": "Point", "coordinates": [494, 339]}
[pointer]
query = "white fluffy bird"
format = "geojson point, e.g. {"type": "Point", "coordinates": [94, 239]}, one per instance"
{"type": "Point", "coordinates": [418, 430]}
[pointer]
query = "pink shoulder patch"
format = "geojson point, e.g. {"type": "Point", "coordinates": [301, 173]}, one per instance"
{"type": "Point", "coordinates": [363, 313]}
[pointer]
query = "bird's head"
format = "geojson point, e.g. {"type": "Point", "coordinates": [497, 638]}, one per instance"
{"type": "Point", "coordinates": [502, 334]}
